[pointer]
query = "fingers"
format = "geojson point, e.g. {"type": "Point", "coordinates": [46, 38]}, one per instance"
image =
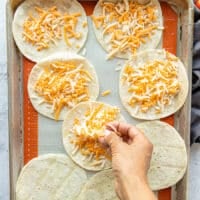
{"type": "Point", "coordinates": [124, 129]}
{"type": "Point", "coordinates": [102, 138]}
{"type": "Point", "coordinates": [112, 140]}
{"type": "Point", "coordinates": [119, 134]}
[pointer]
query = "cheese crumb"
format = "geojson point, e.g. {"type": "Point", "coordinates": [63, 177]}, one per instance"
{"type": "Point", "coordinates": [105, 93]}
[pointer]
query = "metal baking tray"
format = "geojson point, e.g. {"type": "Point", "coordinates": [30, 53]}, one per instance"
{"type": "Point", "coordinates": [184, 9]}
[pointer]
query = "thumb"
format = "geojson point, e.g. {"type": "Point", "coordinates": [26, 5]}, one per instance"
{"type": "Point", "coordinates": [113, 141]}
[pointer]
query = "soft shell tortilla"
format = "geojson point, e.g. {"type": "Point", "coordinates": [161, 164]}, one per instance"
{"type": "Point", "coordinates": [177, 102]}
{"type": "Point", "coordinates": [30, 51]}
{"type": "Point", "coordinates": [169, 158]}
{"type": "Point", "coordinates": [78, 158]}
{"type": "Point", "coordinates": [50, 176]}
{"type": "Point", "coordinates": [150, 44]}
{"type": "Point", "coordinates": [45, 108]}
{"type": "Point", "coordinates": [99, 187]}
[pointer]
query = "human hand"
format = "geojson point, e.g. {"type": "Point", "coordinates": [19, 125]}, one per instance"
{"type": "Point", "coordinates": [131, 154]}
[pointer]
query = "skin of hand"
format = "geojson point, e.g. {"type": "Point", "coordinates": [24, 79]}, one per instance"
{"type": "Point", "coordinates": [131, 154]}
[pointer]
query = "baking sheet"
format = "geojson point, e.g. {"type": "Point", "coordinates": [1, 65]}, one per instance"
{"type": "Point", "coordinates": [42, 135]}
{"type": "Point", "coordinates": [47, 135]}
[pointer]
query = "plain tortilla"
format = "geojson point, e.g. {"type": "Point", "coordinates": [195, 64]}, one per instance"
{"type": "Point", "coordinates": [177, 101]}
{"type": "Point", "coordinates": [79, 112]}
{"type": "Point", "coordinates": [64, 6]}
{"type": "Point", "coordinates": [45, 108]}
{"type": "Point", "coordinates": [169, 158]}
{"type": "Point", "coordinates": [150, 44]}
{"type": "Point", "coordinates": [50, 176]}
{"type": "Point", "coordinates": [99, 187]}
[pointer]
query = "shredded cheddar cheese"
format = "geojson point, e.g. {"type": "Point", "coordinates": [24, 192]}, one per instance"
{"type": "Point", "coordinates": [105, 93]}
{"type": "Point", "coordinates": [84, 24]}
{"type": "Point", "coordinates": [153, 85]}
{"type": "Point", "coordinates": [88, 129]}
{"type": "Point", "coordinates": [63, 84]}
{"type": "Point", "coordinates": [126, 25]}
{"type": "Point", "coordinates": [45, 27]}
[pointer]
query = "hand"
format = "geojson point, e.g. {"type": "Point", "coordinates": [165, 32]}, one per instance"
{"type": "Point", "coordinates": [131, 154]}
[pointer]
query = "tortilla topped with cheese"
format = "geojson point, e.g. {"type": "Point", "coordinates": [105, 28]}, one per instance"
{"type": "Point", "coordinates": [153, 84]}
{"type": "Point", "coordinates": [82, 127]}
{"type": "Point", "coordinates": [41, 27]}
{"type": "Point", "coordinates": [59, 82]}
{"type": "Point", "coordinates": [126, 27]}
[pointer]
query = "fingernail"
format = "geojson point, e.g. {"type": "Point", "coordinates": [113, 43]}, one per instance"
{"type": "Point", "coordinates": [107, 132]}
{"type": "Point", "coordinates": [112, 127]}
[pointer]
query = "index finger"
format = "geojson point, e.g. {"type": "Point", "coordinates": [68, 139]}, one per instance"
{"type": "Point", "coordinates": [124, 129]}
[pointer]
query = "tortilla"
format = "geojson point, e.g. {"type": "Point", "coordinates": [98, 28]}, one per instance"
{"type": "Point", "coordinates": [55, 96]}
{"type": "Point", "coordinates": [36, 47]}
{"type": "Point", "coordinates": [151, 100]}
{"type": "Point", "coordinates": [169, 158]}
{"type": "Point", "coordinates": [99, 187]}
{"type": "Point", "coordinates": [82, 127]}
{"type": "Point", "coordinates": [50, 176]}
{"type": "Point", "coordinates": [120, 30]}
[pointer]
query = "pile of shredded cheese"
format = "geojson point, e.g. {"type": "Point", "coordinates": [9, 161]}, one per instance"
{"type": "Point", "coordinates": [63, 84]}
{"type": "Point", "coordinates": [46, 27]}
{"type": "Point", "coordinates": [90, 128]}
{"type": "Point", "coordinates": [126, 24]}
{"type": "Point", "coordinates": [153, 85]}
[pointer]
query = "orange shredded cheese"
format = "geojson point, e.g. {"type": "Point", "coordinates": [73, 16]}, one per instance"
{"type": "Point", "coordinates": [84, 24]}
{"type": "Point", "coordinates": [153, 85]}
{"type": "Point", "coordinates": [89, 129]}
{"type": "Point", "coordinates": [127, 24]}
{"type": "Point", "coordinates": [46, 27]}
{"type": "Point", "coordinates": [105, 93]}
{"type": "Point", "coordinates": [63, 84]}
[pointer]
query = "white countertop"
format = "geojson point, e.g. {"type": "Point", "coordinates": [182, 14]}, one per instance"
{"type": "Point", "coordinates": [4, 166]}
{"type": "Point", "coordinates": [4, 152]}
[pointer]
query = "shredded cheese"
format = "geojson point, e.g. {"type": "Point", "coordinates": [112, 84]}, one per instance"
{"type": "Point", "coordinates": [63, 84]}
{"type": "Point", "coordinates": [46, 27]}
{"type": "Point", "coordinates": [105, 93]}
{"type": "Point", "coordinates": [126, 25]}
{"type": "Point", "coordinates": [84, 24]}
{"type": "Point", "coordinates": [153, 85]}
{"type": "Point", "coordinates": [88, 129]}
